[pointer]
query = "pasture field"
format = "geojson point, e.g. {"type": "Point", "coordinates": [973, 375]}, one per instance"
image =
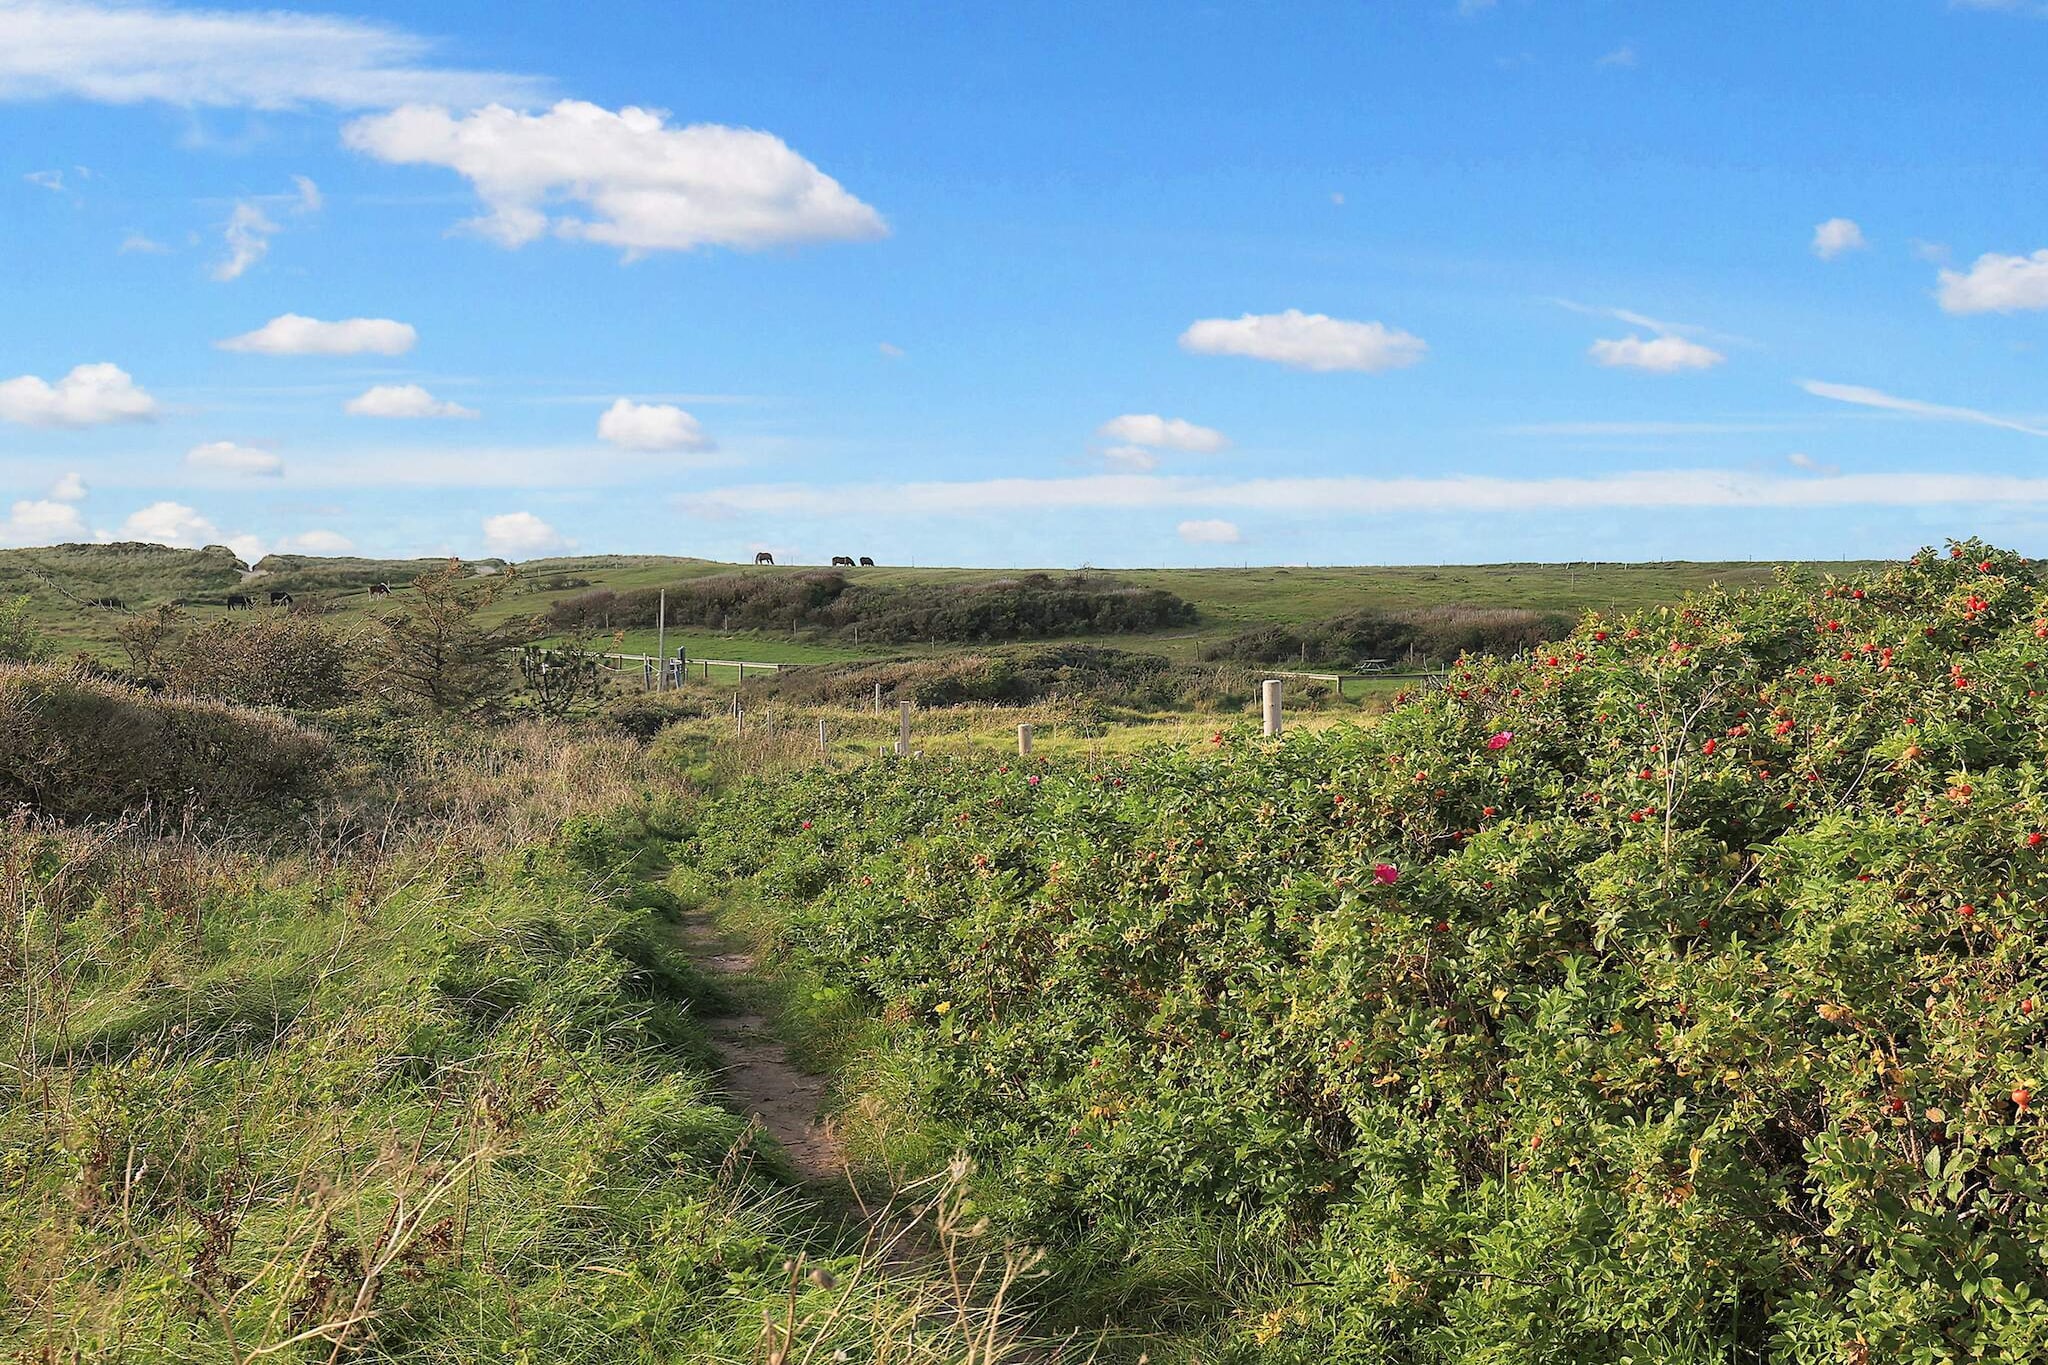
{"type": "Point", "coordinates": [59, 581]}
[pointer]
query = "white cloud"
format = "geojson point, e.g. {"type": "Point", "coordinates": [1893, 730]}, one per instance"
{"type": "Point", "coordinates": [249, 232]}
{"type": "Point", "coordinates": [1661, 355]}
{"type": "Point", "coordinates": [259, 59]}
{"type": "Point", "coordinates": [88, 396]}
{"type": "Point", "coordinates": [291, 334]}
{"type": "Point", "coordinates": [1997, 284]}
{"type": "Point", "coordinates": [651, 426]}
{"type": "Point", "coordinates": [1835, 236]}
{"type": "Point", "coordinates": [1306, 341]}
{"type": "Point", "coordinates": [169, 523]}
{"type": "Point", "coordinates": [403, 400]}
{"type": "Point", "coordinates": [893, 352]}
{"type": "Point", "coordinates": [1357, 496]}
{"type": "Point", "coordinates": [1624, 56]}
{"type": "Point", "coordinates": [142, 242]}
{"type": "Point", "coordinates": [1209, 532]}
{"type": "Point", "coordinates": [1799, 459]}
{"type": "Point", "coordinates": [1163, 433]}
{"type": "Point", "coordinates": [225, 457]}
{"type": "Point", "coordinates": [1913, 407]}
{"type": "Point", "coordinates": [522, 535]}
{"type": "Point", "coordinates": [250, 229]}
{"type": "Point", "coordinates": [318, 542]}
{"type": "Point", "coordinates": [70, 488]}
{"type": "Point", "coordinates": [647, 186]}
{"type": "Point", "coordinates": [1134, 458]}
{"type": "Point", "coordinates": [41, 522]}
{"type": "Point", "coordinates": [49, 180]}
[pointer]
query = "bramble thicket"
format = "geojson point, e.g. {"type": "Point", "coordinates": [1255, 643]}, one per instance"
{"type": "Point", "coordinates": [1672, 993]}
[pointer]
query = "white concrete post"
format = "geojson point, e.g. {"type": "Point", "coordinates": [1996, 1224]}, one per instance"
{"type": "Point", "coordinates": [903, 729]}
{"type": "Point", "coordinates": [1271, 691]}
{"type": "Point", "coordinates": [1023, 741]}
{"type": "Point", "coordinates": [878, 699]}
{"type": "Point", "coordinates": [822, 747]}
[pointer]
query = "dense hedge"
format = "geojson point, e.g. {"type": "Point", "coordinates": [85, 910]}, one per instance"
{"type": "Point", "coordinates": [1018, 677]}
{"type": "Point", "coordinates": [1672, 995]}
{"type": "Point", "coordinates": [72, 745]}
{"type": "Point", "coordinates": [1428, 636]}
{"type": "Point", "coordinates": [1035, 605]}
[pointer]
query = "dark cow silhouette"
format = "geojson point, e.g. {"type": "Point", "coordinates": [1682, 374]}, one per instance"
{"type": "Point", "coordinates": [238, 602]}
{"type": "Point", "coordinates": [280, 598]}
{"type": "Point", "coordinates": [838, 560]}
{"type": "Point", "coordinates": [113, 602]}
{"type": "Point", "coordinates": [764, 558]}
{"type": "Point", "coordinates": [866, 563]}
{"type": "Point", "coordinates": [380, 590]}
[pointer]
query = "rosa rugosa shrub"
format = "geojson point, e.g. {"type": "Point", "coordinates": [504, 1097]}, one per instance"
{"type": "Point", "coordinates": [1697, 1020]}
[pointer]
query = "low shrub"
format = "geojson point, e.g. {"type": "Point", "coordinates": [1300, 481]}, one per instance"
{"type": "Point", "coordinates": [1426, 637]}
{"type": "Point", "coordinates": [280, 659]}
{"type": "Point", "coordinates": [1019, 677]}
{"type": "Point", "coordinates": [72, 745]}
{"type": "Point", "coordinates": [1677, 993]}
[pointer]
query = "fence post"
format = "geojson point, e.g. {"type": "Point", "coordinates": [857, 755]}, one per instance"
{"type": "Point", "coordinates": [647, 675]}
{"type": "Point", "coordinates": [1023, 741]}
{"type": "Point", "coordinates": [822, 747]}
{"type": "Point", "coordinates": [1271, 691]}
{"type": "Point", "coordinates": [661, 636]}
{"type": "Point", "coordinates": [903, 729]}
{"type": "Point", "coordinates": [878, 699]}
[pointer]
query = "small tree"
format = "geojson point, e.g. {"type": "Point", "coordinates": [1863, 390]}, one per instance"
{"type": "Point", "coordinates": [559, 676]}
{"type": "Point", "coordinates": [20, 642]}
{"type": "Point", "coordinates": [438, 653]}
{"type": "Point", "coordinates": [144, 635]}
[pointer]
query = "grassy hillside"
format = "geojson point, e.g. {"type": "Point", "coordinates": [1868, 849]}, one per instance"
{"type": "Point", "coordinates": [59, 579]}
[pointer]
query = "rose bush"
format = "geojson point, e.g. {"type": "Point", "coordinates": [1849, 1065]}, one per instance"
{"type": "Point", "coordinates": [1700, 1022]}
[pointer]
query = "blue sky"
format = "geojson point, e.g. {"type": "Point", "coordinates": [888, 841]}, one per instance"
{"type": "Point", "coordinates": [1047, 284]}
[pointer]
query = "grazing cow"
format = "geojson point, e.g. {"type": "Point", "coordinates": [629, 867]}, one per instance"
{"type": "Point", "coordinates": [280, 598]}
{"type": "Point", "coordinates": [239, 602]}
{"type": "Point", "coordinates": [763, 557]}
{"type": "Point", "coordinates": [113, 602]}
{"type": "Point", "coordinates": [838, 560]}
{"type": "Point", "coordinates": [380, 590]}
{"type": "Point", "coordinates": [866, 563]}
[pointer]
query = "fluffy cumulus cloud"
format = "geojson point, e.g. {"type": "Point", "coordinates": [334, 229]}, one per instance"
{"type": "Point", "coordinates": [291, 334]}
{"type": "Point", "coordinates": [651, 426]}
{"type": "Point", "coordinates": [170, 523]}
{"type": "Point", "coordinates": [1210, 531]}
{"type": "Point", "coordinates": [123, 53]}
{"type": "Point", "coordinates": [41, 521]}
{"type": "Point", "coordinates": [522, 535]}
{"type": "Point", "coordinates": [1163, 433]}
{"type": "Point", "coordinates": [403, 400]}
{"type": "Point", "coordinates": [638, 183]}
{"type": "Point", "coordinates": [88, 396]}
{"type": "Point", "coordinates": [1996, 284]}
{"type": "Point", "coordinates": [1835, 236]}
{"type": "Point", "coordinates": [225, 457]}
{"type": "Point", "coordinates": [69, 488]}
{"type": "Point", "coordinates": [1660, 355]}
{"type": "Point", "coordinates": [1306, 341]}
